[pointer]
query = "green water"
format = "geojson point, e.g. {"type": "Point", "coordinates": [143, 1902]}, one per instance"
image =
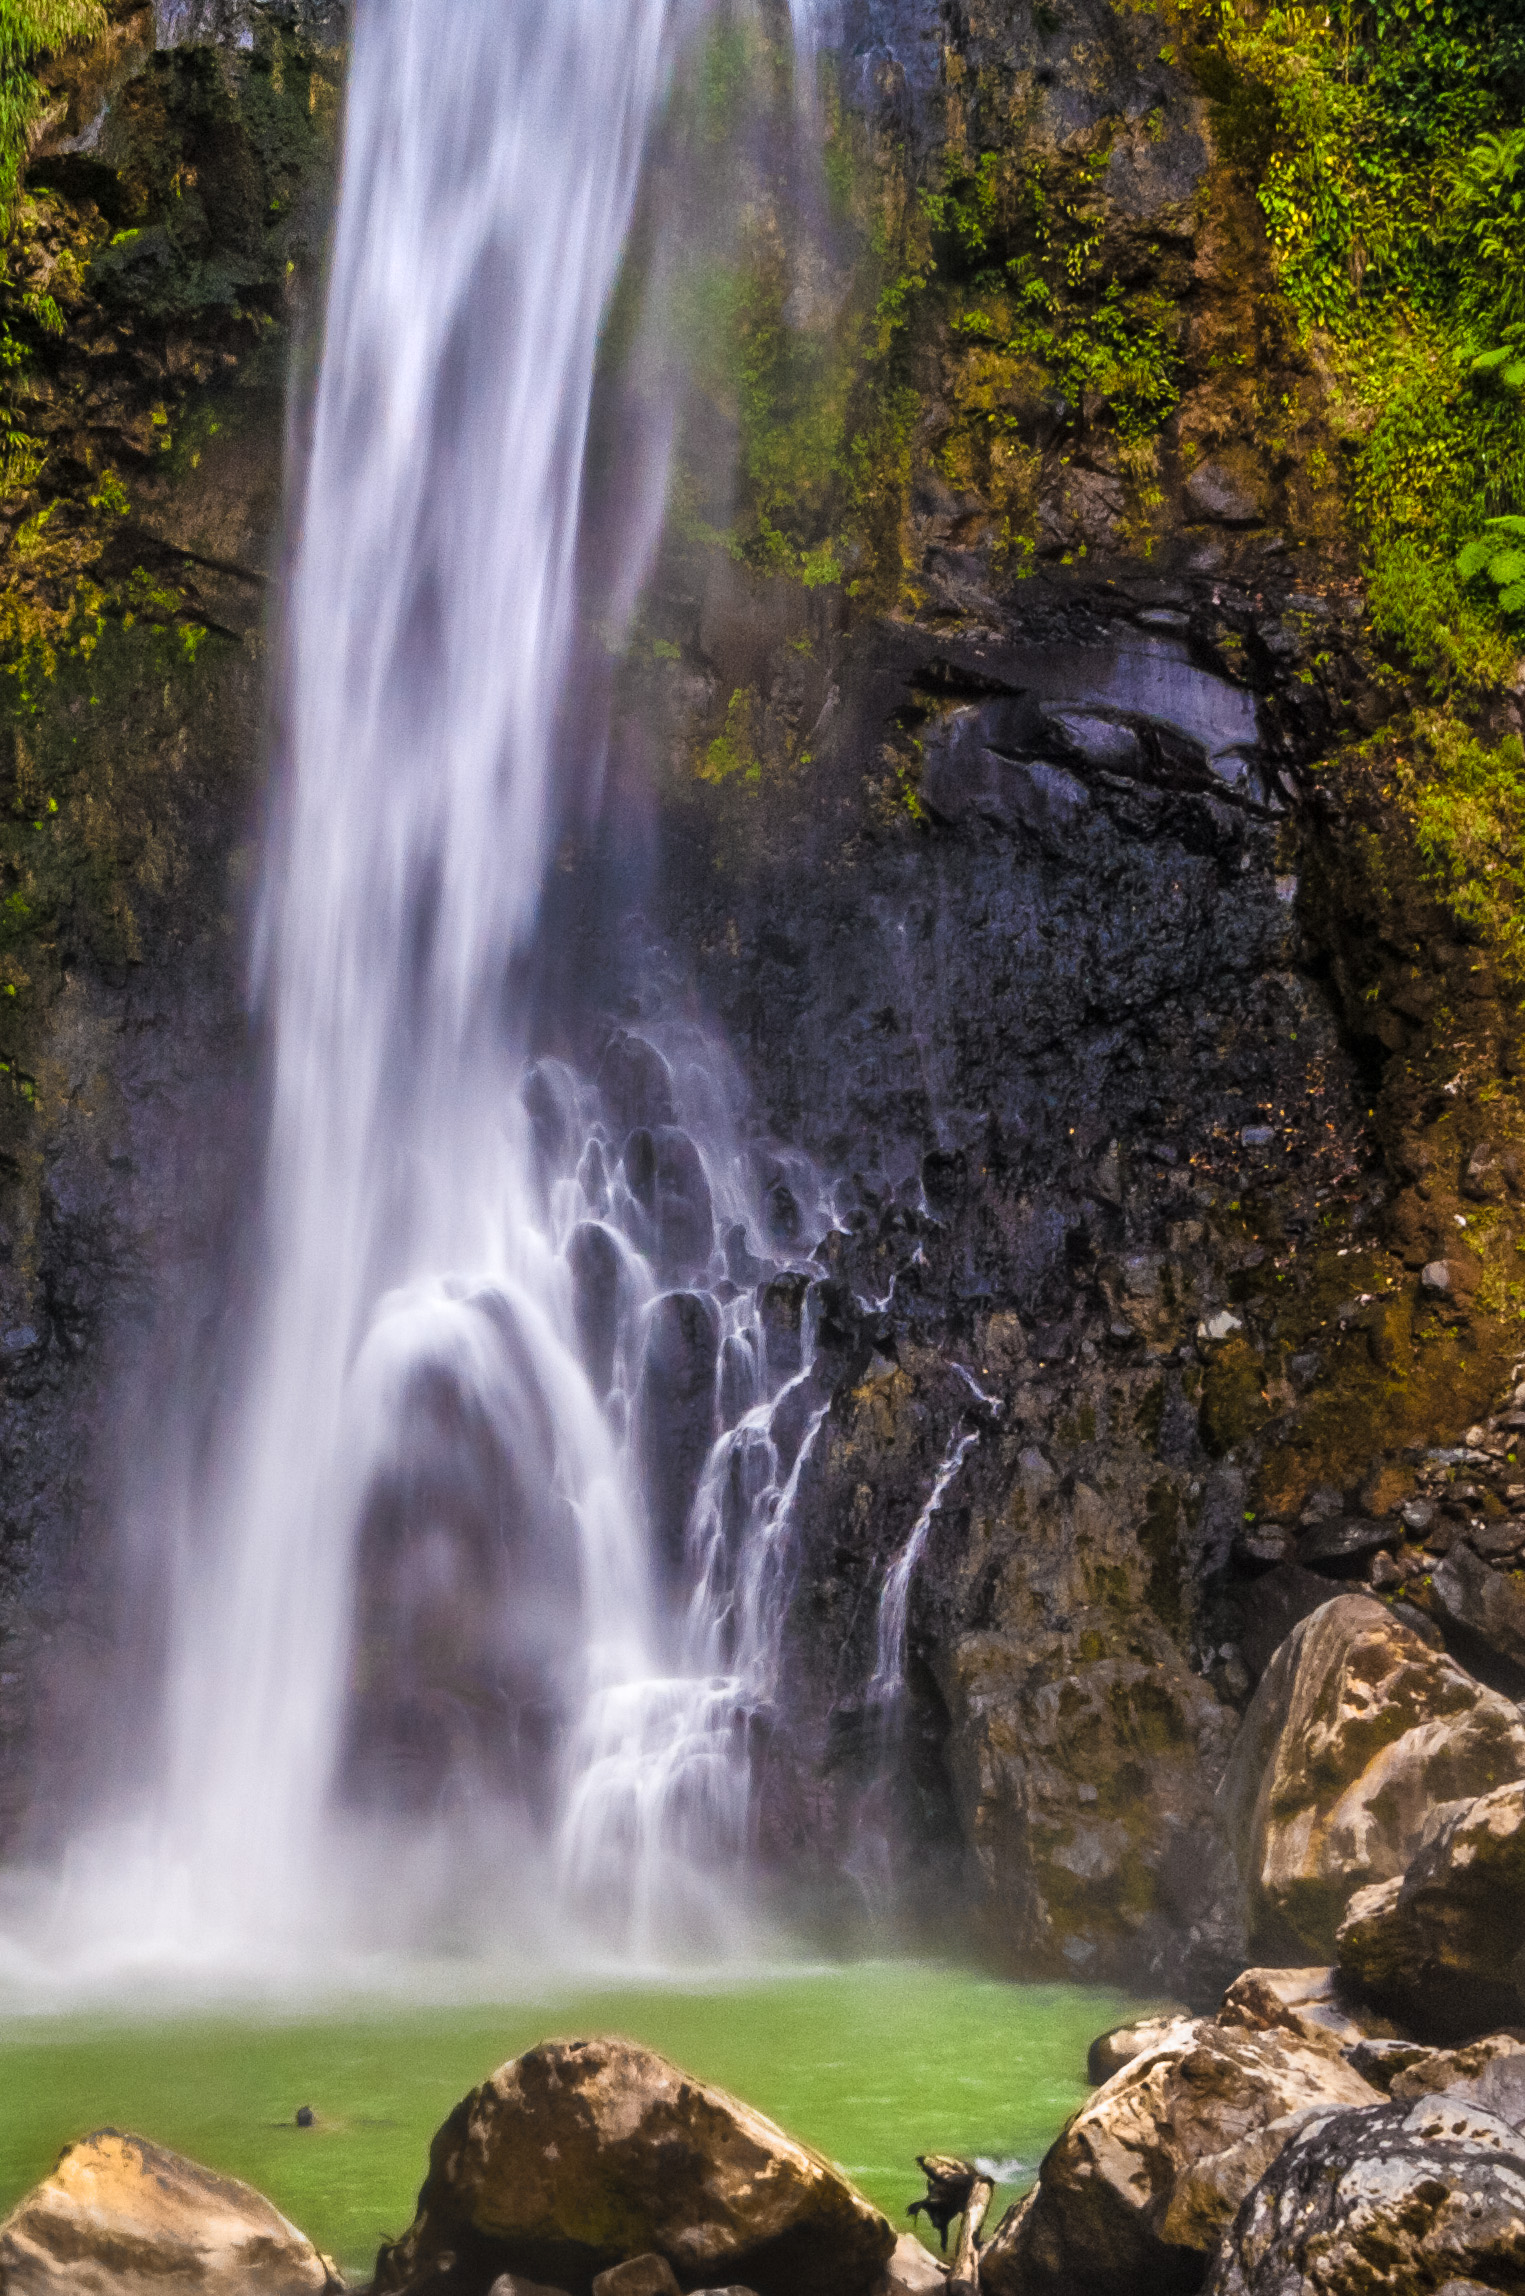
{"type": "Point", "coordinates": [873, 2063]}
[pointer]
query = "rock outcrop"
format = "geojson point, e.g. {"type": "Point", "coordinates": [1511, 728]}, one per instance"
{"type": "Point", "coordinates": [1441, 1947]}
{"type": "Point", "coordinates": [1138, 2188]}
{"type": "Point", "coordinates": [1417, 2196]}
{"type": "Point", "coordinates": [581, 2155]}
{"type": "Point", "coordinates": [122, 2217]}
{"type": "Point", "coordinates": [1357, 1731]}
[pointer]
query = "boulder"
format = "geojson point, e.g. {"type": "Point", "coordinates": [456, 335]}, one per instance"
{"type": "Point", "coordinates": [676, 1414]}
{"type": "Point", "coordinates": [119, 2216]}
{"type": "Point", "coordinates": [638, 2276]}
{"type": "Point", "coordinates": [1226, 491]}
{"type": "Point", "coordinates": [1402, 2197]}
{"type": "Point", "coordinates": [1306, 2003]}
{"type": "Point", "coordinates": [1342, 1547]}
{"type": "Point", "coordinates": [1484, 1613]}
{"type": "Point", "coordinates": [1110, 2051]}
{"type": "Point", "coordinates": [1137, 2189]}
{"type": "Point", "coordinates": [1489, 2073]}
{"type": "Point", "coordinates": [665, 1174]}
{"type": "Point", "coordinates": [1356, 1731]}
{"type": "Point", "coordinates": [636, 1083]}
{"type": "Point", "coordinates": [912, 2271]}
{"type": "Point", "coordinates": [1440, 1948]}
{"type": "Point", "coordinates": [581, 2155]}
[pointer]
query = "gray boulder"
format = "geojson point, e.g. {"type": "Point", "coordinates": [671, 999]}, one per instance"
{"type": "Point", "coordinates": [1484, 1611]}
{"type": "Point", "coordinates": [1403, 2197]}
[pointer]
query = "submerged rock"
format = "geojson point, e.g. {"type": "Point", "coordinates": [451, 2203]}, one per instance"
{"type": "Point", "coordinates": [1408, 2196]}
{"type": "Point", "coordinates": [1357, 1730]}
{"type": "Point", "coordinates": [119, 2216]}
{"type": "Point", "coordinates": [1137, 2189]}
{"type": "Point", "coordinates": [1438, 1948]}
{"type": "Point", "coordinates": [582, 2155]}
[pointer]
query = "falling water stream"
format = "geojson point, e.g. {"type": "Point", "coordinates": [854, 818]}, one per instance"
{"type": "Point", "coordinates": [473, 1612]}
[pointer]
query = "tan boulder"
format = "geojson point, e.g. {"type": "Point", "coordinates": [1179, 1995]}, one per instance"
{"type": "Point", "coordinates": [1136, 2191]}
{"type": "Point", "coordinates": [1357, 1731]}
{"type": "Point", "coordinates": [1443, 1947]}
{"type": "Point", "coordinates": [1306, 2003]}
{"type": "Point", "coordinates": [581, 2155]}
{"type": "Point", "coordinates": [122, 2217]}
{"type": "Point", "coordinates": [1110, 2051]}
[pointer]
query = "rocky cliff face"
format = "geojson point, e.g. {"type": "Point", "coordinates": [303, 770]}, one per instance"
{"type": "Point", "coordinates": [1033, 826]}
{"type": "Point", "coordinates": [158, 266]}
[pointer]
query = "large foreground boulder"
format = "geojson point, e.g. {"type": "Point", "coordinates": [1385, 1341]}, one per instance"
{"type": "Point", "coordinates": [122, 2217]}
{"type": "Point", "coordinates": [1357, 1731]}
{"type": "Point", "coordinates": [1441, 1949]}
{"type": "Point", "coordinates": [1408, 2197]}
{"type": "Point", "coordinates": [1136, 2191]}
{"type": "Point", "coordinates": [582, 2154]}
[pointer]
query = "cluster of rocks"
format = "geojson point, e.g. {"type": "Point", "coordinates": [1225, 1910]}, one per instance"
{"type": "Point", "coordinates": [1358, 2119]}
{"type": "Point", "coordinates": [1443, 1545]}
{"type": "Point", "coordinates": [1294, 2140]}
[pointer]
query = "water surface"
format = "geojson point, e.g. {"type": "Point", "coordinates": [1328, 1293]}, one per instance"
{"type": "Point", "coordinates": [873, 2063]}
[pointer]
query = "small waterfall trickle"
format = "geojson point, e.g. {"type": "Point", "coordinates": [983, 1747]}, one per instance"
{"type": "Point", "coordinates": [887, 1684]}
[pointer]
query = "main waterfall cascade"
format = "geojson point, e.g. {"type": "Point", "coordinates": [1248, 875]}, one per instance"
{"type": "Point", "coordinates": [478, 1612]}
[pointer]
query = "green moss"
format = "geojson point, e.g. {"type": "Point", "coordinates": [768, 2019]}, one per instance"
{"type": "Point", "coordinates": [733, 754]}
{"type": "Point", "coordinates": [1233, 1404]}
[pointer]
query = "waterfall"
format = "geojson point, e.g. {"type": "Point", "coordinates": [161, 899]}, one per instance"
{"type": "Point", "coordinates": [479, 1601]}
{"type": "Point", "coordinates": [492, 159]}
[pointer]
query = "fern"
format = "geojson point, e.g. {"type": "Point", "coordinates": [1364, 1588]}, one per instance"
{"type": "Point", "coordinates": [29, 30]}
{"type": "Point", "coordinates": [1499, 554]}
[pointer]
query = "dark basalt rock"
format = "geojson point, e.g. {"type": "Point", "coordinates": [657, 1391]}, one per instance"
{"type": "Point", "coordinates": [1482, 1611]}
{"type": "Point", "coordinates": [676, 1415]}
{"type": "Point", "coordinates": [666, 1176]}
{"type": "Point", "coordinates": [1343, 1546]}
{"type": "Point", "coordinates": [593, 1257]}
{"type": "Point", "coordinates": [636, 1084]}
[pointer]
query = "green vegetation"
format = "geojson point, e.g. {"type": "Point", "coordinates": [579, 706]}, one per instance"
{"type": "Point", "coordinates": [1467, 804]}
{"type": "Point", "coordinates": [1385, 140]}
{"type": "Point", "coordinates": [29, 30]}
{"type": "Point", "coordinates": [872, 2063]}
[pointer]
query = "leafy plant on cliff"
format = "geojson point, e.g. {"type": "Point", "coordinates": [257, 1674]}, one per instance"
{"type": "Point", "coordinates": [29, 30]}
{"type": "Point", "coordinates": [1385, 143]}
